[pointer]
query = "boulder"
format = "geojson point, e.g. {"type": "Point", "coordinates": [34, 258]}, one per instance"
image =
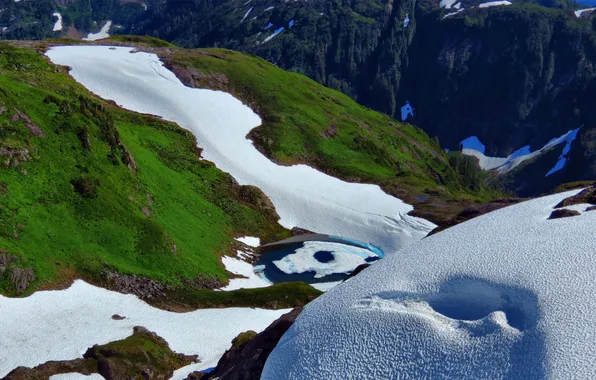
{"type": "Point", "coordinates": [563, 213]}
{"type": "Point", "coordinates": [249, 352]}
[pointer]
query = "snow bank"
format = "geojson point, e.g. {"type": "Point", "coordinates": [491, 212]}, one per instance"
{"type": "Point", "coordinates": [103, 33]}
{"type": "Point", "coordinates": [580, 12]}
{"type": "Point", "coordinates": [345, 259]}
{"type": "Point", "coordinates": [473, 147]}
{"type": "Point", "coordinates": [494, 4]}
{"type": "Point", "coordinates": [447, 3]}
{"type": "Point", "coordinates": [76, 376]}
{"type": "Point", "coordinates": [58, 24]}
{"type": "Point", "coordinates": [251, 278]}
{"type": "Point", "coordinates": [247, 13]}
{"type": "Point", "coordinates": [250, 241]}
{"type": "Point", "coordinates": [303, 196]}
{"type": "Point", "coordinates": [61, 325]}
{"type": "Point", "coordinates": [507, 295]}
{"type": "Point", "coordinates": [275, 33]}
{"type": "Point", "coordinates": [454, 13]}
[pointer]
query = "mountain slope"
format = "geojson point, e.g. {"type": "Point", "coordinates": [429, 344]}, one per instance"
{"type": "Point", "coordinates": [88, 188]}
{"type": "Point", "coordinates": [514, 76]}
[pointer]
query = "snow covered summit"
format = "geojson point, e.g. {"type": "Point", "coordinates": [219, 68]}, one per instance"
{"type": "Point", "coordinates": [506, 295]}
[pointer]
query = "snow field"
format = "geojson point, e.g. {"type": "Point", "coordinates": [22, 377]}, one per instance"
{"type": "Point", "coordinates": [507, 295]}
{"type": "Point", "coordinates": [303, 196]}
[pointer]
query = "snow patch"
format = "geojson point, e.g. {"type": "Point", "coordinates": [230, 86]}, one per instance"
{"type": "Point", "coordinates": [275, 33]}
{"type": "Point", "coordinates": [103, 33]}
{"type": "Point", "coordinates": [447, 3]}
{"type": "Point", "coordinates": [563, 157]}
{"type": "Point", "coordinates": [454, 13]}
{"type": "Point", "coordinates": [494, 4]}
{"type": "Point", "coordinates": [506, 295]}
{"type": "Point", "coordinates": [81, 316]}
{"type": "Point", "coordinates": [247, 13]}
{"type": "Point", "coordinates": [76, 376]}
{"type": "Point", "coordinates": [58, 24]}
{"type": "Point", "coordinates": [580, 12]}
{"type": "Point", "coordinates": [250, 241]}
{"type": "Point", "coordinates": [251, 279]}
{"type": "Point", "coordinates": [303, 197]}
{"type": "Point", "coordinates": [473, 147]}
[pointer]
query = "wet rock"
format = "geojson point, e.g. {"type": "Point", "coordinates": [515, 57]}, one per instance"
{"type": "Point", "coordinates": [249, 352]}
{"type": "Point", "coordinates": [563, 213]}
{"type": "Point", "coordinates": [117, 317]}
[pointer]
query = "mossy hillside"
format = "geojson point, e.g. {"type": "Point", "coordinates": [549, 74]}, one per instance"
{"type": "Point", "coordinates": [157, 210]}
{"type": "Point", "coordinates": [304, 122]}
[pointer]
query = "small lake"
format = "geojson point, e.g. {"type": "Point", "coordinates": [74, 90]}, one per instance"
{"type": "Point", "coordinates": [315, 261]}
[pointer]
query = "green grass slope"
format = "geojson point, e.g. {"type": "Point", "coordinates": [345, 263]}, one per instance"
{"type": "Point", "coordinates": [87, 188]}
{"type": "Point", "coordinates": [304, 122]}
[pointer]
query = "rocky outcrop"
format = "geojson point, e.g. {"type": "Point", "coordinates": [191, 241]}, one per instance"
{"type": "Point", "coordinates": [143, 355]}
{"type": "Point", "coordinates": [33, 128]}
{"type": "Point", "coordinates": [142, 287]}
{"type": "Point", "coordinates": [249, 352]}
{"type": "Point", "coordinates": [563, 213]}
{"type": "Point", "coordinates": [588, 195]}
{"type": "Point", "coordinates": [45, 370]}
{"type": "Point", "coordinates": [475, 211]}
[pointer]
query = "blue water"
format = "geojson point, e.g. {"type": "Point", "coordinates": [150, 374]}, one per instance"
{"type": "Point", "coordinates": [324, 256]}
{"type": "Point", "coordinates": [275, 275]}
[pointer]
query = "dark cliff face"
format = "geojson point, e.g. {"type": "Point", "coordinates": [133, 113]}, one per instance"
{"type": "Point", "coordinates": [513, 76]}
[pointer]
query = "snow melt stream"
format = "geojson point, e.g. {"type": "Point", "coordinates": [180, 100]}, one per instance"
{"type": "Point", "coordinates": [303, 196]}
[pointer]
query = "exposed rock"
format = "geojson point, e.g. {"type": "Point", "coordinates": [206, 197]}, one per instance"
{"type": "Point", "coordinates": [128, 159]}
{"type": "Point", "coordinates": [204, 281]}
{"type": "Point", "coordinates": [142, 355]}
{"type": "Point", "coordinates": [47, 369]}
{"type": "Point", "coordinates": [249, 352]}
{"type": "Point", "coordinates": [3, 188]}
{"type": "Point", "coordinates": [34, 130]}
{"type": "Point", "coordinates": [6, 258]}
{"type": "Point", "coordinates": [563, 213]}
{"type": "Point", "coordinates": [117, 317]}
{"type": "Point", "coordinates": [357, 271]}
{"type": "Point", "coordinates": [255, 196]}
{"type": "Point", "coordinates": [329, 132]}
{"type": "Point", "coordinates": [14, 156]}
{"type": "Point", "coordinates": [474, 211]}
{"type": "Point", "coordinates": [2, 110]}
{"type": "Point", "coordinates": [591, 208]}
{"type": "Point", "coordinates": [21, 278]}
{"type": "Point", "coordinates": [588, 195]}
{"type": "Point", "coordinates": [142, 287]}
{"type": "Point", "coordinates": [297, 231]}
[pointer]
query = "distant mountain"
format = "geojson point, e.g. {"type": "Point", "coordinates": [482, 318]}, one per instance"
{"type": "Point", "coordinates": [513, 76]}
